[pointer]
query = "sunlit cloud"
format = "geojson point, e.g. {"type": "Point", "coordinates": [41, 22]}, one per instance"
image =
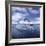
{"type": "Point", "coordinates": [16, 16]}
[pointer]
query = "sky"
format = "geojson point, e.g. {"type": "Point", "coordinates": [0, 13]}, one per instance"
{"type": "Point", "coordinates": [25, 15]}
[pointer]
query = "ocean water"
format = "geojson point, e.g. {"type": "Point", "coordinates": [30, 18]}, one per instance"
{"type": "Point", "coordinates": [25, 31]}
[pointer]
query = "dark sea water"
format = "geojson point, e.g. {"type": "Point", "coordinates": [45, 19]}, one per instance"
{"type": "Point", "coordinates": [25, 31]}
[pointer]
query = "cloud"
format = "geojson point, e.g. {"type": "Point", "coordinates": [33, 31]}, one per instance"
{"type": "Point", "coordinates": [19, 16]}
{"type": "Point", "coordinates": [19, 9]}
{"type": "Point", "coordinates": [14, 22]}
{"type": "Point", "coordinates": [24, 9]}
{"type": "Point", "coordinates": [35, 12]}
{"type": "Point", "coordinates": [35, 22]}
{"type": "Point", "coordinates": [16, 16]}
{"type": "Point", "coordinates": [32, 22]}
{"type": "Point", "coordinates": [26, 22]}
{"type": "Point", "coordinates": [30, 8]}
{"type": "Point", "coordinates": [16, 8]}
{"type": "Point", "coordinates": [37, 19]}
